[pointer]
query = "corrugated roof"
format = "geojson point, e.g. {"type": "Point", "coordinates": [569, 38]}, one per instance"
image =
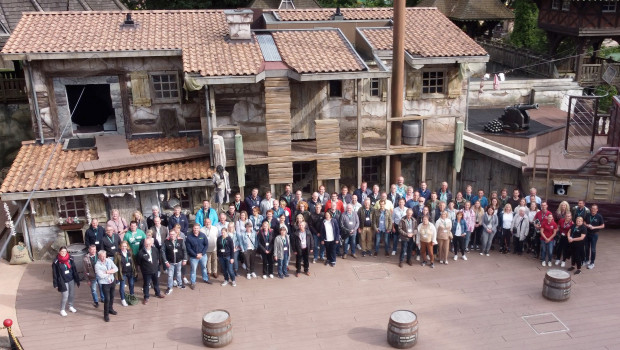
{"type": "Point", "coordinates": [317, 51]}
{"type": "Point", "coordinates": [200, 34]}
{"type": "Point", "coordinates": [61, 173]}
{"type": "Point", "coordinates": [268, 48]}
{"type": "Point", "coordinates": [428, 34]}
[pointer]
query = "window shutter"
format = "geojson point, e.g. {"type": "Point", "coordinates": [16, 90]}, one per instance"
{"type": "Point", "coordinates": [140, 89]}
{"type": "Point", "coordinates": [383, 89]}
{"type": "Point", "coordinates": [454, 83]}
{"type": "Point", "coordinates": [414, 84]}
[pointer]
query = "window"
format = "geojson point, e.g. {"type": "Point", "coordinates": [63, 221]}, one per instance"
{"type": "Point", "coordinates": [555, 4]}
{"type": "Point", "coordinates": [609, 6]}
{"type": "Point", "coordinates": [303, 176]}
{"type": "Point", "coordinates": [165, 86]}
{"type": "Point", "coordinates": [71, 206]}
{"type": "Point", "coordinates": [370, 170]}
{"type": "Point", "coordinates": [566, 5]}
{"type": "Point", "coordinates": [375, 87]}
{"type": "Point", "coordinates": [3, 30]}
{"type": "Point", "coordinates": [335, 88]}
{"type": "Point", "coordinates": [433, 82]}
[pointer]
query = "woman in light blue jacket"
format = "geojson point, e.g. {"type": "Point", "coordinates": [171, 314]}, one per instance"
{"type": "Point", "coordinates": [459, 232]}
{"type": "Point", "coordinates": [247, 242]}
{"type": "Point", "coordinates": [489, 227]}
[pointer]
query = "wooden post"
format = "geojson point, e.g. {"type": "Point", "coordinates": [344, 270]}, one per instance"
{"type": "Point", "coordinates": [359, 171]}
{"type": "Point", "coordinates": [398, 76]}
{"type": "Point", "coordinates": [387, 173]}
{"type": "Point", "coordinates": [337, 185]}
{"type": "Point", "coordinates": [423, 172]}
{"type": "Point", "coordinates": [359, 114]}
{"type": "Point", "coordinates": [454, 180]}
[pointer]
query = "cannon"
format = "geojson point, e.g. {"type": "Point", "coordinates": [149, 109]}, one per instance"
{"type": "Point", "coordinates": [516, 118]}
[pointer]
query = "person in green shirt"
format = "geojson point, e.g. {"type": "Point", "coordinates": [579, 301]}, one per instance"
{"type": "Point", "coordinates": [134, 236]}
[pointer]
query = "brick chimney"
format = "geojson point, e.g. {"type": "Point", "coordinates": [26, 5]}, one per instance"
{"type": "Point", "coordinates": [239, 23]}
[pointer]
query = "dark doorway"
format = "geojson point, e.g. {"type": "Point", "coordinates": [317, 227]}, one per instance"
{"type": "Point", "coordinates": [94, 112]}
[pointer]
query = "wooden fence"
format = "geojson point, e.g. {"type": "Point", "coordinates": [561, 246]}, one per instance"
{"type": "Point", "coordinates": [12, 89]}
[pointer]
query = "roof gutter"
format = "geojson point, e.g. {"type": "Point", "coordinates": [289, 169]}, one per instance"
{"type": "Point", "coordinates": [90, 54]}
{"type": "Point", "coordinates": [35, 101]}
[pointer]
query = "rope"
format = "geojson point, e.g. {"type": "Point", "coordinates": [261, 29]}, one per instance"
{"type": "Point", "coordinates": [15, 344]}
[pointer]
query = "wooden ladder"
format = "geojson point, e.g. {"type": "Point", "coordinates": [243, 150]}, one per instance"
{"type": "Point", "coordinates": [540, 162]}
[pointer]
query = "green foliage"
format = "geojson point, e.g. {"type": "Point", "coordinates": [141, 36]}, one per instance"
{"type": "Point", "coordinates": [604, 104]}
{"type": "Point", "coordinates": [526, 32]}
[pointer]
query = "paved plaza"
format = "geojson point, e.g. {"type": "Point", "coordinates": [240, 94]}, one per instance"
{"type": "Point", "coordinates": [484, 303]}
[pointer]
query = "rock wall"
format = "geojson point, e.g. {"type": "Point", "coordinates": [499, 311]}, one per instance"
{"type": "Point", "coordinates": [15, 127]}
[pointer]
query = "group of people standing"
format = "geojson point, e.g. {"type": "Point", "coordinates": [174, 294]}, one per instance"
{"type": "Point", "coordinates": [427, 224]}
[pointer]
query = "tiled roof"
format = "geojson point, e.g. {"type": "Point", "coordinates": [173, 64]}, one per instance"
{"type": "Point", "coordinates": [200, 34]}
{"type": "Point", "coordinates": [428, 33]}
{"type": "Point", "coordinates": [274, 4]}
{"type": "Point", "coordinates": [476, 10]}
{"type": "Point", "coordinates": [326, 14]}
{"type": "Point", "coordinates": [317, 51]}
{"type": "Point", "coordinates": [61, 173]}
{"type": "Point", "coordinates": [470, 10]}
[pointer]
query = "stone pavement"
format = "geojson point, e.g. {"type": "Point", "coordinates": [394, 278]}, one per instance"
{"type": "Point", "coordinates": [482, 303]}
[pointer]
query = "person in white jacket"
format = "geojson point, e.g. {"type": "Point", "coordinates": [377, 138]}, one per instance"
{"type": "Point", "coordinates": [428, 237]}
{"type": "Point", "coordinates": [520, 229]}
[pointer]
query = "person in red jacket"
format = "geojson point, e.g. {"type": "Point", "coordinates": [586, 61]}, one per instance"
{"type": "Point", "coordinates": [548, 231]}
{"type": "Point", "coordinates": [334, 203]}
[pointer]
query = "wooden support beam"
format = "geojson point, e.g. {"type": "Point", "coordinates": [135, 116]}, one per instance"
{"type": "Point", "coordinates": [359, 171]}
{"type": "Point", "coordinates": [359, 114]}
{"type": "Point", "coordinates": [387, 173]}
{"type": "Point", "coordinates": [423, 172]}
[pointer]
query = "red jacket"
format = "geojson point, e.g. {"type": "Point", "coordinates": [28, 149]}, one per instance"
{"type": "Point", "coordinates": [339, 206]}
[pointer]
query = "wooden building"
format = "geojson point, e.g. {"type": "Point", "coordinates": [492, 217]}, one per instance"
{"type": "Point", "coordinates": [304, 101]}
{"type": "Point", "coordinates": [587, 23]}
{"type": "Point", "coordinates": [475, 17]}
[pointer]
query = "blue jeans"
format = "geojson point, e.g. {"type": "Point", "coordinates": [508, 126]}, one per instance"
{"type": "Point", "coordinates": [546, 250]}
{"type": "Point", "coordinates": [591, 240]}
{"type": "Point", "coordinates": [174, 271]}
{"type": "Point", "coordinates": [406, 248]}
{"type": "Point", "coordinates": [378, 240]}
{"type": "Point", "coordinates": [350, 241]}
{"type": "Point", "coordinates": [283, 265]}
{"type": "Point", "coordinates": [227, 269]}
{"type": "Point", "coordinates": [203, 266]}
{"type": "Point", "coordinates": [394, 240]}
{"type": "Point", "coordinates": [130, 280]}
{"type": "Point", "coordinates": [318, 248]}
{"type": "Point", "coordinates": [236, 263]}
{"type": "Point", "coordinates": [467, 237]}
{"type": "Point", "coordinates": [94, 286]}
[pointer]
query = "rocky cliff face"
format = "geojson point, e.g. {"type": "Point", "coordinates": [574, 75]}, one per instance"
{"type": "Point", "coordinates": [15, 127]}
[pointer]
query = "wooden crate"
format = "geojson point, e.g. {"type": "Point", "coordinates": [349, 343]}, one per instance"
{"type": "Point", "coordinates": [278, 117]}
{"type": "Point", "coordinates": [329, 132]}
{"type": "Point", "coordinates": [281, 173]}
{"type": "Point", "coordinates": [328, 169]}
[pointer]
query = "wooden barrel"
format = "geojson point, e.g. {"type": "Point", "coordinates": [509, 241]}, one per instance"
{"type": "Point", "coordinates": [402, 332]}
{"type": "Point", "coordinates": [556, 285]}
{"type": "Point", "coordinates": [216, 329]}
{"type": "Point", "coordinates": [412, 132]}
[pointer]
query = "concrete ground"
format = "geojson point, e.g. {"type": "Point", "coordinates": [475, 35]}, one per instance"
{"type": "Point", "coordinates": [482, 303]}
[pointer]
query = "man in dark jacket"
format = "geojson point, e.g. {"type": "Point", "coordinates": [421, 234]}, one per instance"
{"type": "Point", "coordinates": [265, 239]}
{"type": "Point", "coordinates": [253, 200]}
{"type": "Point", "coordinates": [303, 246]}
{"type": "Point", "coordinates": [363, 192]}
{"type": "Point", "coordinates": [150, 221]}
{"type": "Point", "coordinates": [94, 235]}
{"type": "Point", "coordinates": [150, 261]}
{"type": "Point", "coordinates": [174, 257]}
{"type": "Point", "coordinates": [197, 244]}
{"type": "Point", "coordinates": [316, 220]}
{"type": "Point", "coordinates": [178, 218]}
{"type": "Point", "coordinates": [111, 242]}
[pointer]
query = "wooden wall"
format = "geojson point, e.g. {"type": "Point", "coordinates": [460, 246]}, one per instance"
{"type": "Point", "coordinates": [486, 173]}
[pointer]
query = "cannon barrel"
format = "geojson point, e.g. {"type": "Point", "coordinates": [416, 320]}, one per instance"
{"type": "Point", "coordinates": [525, 107]}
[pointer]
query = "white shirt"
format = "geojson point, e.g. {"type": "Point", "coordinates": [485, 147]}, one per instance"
{"type": "Point", "coordinates": [507, 221]}
{"type": "Point", "coordinates": [248, 242]}
{"type": "Point", "coordinates": [302, 237]}
{"type": "Point", "coordinates": [158, 237]}
{"type": "Point", "coordinates": [211, 237]}
{"type": "Point", "coordinates": [329, 231]}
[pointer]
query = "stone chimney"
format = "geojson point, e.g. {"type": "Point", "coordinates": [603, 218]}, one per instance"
{"type": "Point", "coordinates": [239, 23]}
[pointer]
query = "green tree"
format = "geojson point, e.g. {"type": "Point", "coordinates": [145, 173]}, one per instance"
{"type": "Point", "coordinates": [526, 32]}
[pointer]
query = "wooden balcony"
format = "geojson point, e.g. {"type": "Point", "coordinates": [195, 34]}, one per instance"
{"type": "Point", "coordinates": [12, 89]}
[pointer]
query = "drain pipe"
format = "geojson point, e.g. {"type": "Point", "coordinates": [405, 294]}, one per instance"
{"type": "Point", "coordinates": [35, 101]}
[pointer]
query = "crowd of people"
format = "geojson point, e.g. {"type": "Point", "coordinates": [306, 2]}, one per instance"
{"type": "Point", "coordinates": [428, 226]}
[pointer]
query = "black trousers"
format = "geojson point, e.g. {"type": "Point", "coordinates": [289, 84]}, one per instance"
{"type": "Point", "coordinates": [459, 243]}
{"type": "Point", "coordinates": [518, 245]}
{"type": "Point", "coordinates": [577, 253]}
{"type": "Point", "coordinates": [561, 249]}
{"type": "Point", "coordinates": [145, 286]}
{"type": "Point", "coordinates": [506, 237]}
{"type": "Point", "coordinates": [267, 263]}
{"type": "Point", "coordinates": [108, 298]}
{"type": "Point", "coordinates": [302, 257]}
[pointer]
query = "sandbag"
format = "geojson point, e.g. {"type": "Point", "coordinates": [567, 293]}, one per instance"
{"type": "Point", "coordinates": [19, 254]}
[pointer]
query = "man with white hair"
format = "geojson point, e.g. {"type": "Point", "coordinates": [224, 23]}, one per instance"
{"type": "Point", "coordinates": [349, 223]}
{"type": "Point", "coordinates": [150, 261]}
{"type": "Point", "coordinates": [444, 193]}
{"type": "Point", "coordinates": [401, 188]}
{"type": "Point", "coordinates": [533, 192]}
{"type": "Point", "coordinates": [314, 200]}
{"type": "Point", "coordinates": [150, 221]}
